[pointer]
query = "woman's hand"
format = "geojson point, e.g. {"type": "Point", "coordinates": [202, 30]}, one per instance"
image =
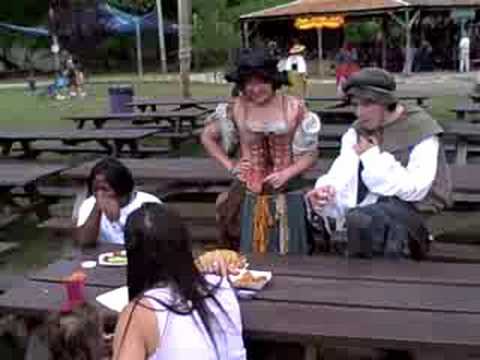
{"type": "Point", "coordinates": [278, 179]}
{"type": "Point", "coordinates": [241, 169]}
{"type": "Point", "coordinates": [220, 262]}
{"type": "Point", "coordinates": [108, 205]}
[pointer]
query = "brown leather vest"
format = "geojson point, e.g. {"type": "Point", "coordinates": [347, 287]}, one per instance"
{"type": "Point", "coordinates": [402, 135]}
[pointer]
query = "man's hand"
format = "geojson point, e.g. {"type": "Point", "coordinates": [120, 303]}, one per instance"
{"type": "Point", "coordinates": [108, 205]}
{"type": "Point", "coordinates": [365, 143]}
{"type": "Point", "coordinates": [321, 197]}
{"type": "Point", "coordinates": [277, 179]}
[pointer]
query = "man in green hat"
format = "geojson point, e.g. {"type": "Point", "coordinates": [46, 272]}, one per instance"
{"type": "Point", "coordinates": [391, 168]}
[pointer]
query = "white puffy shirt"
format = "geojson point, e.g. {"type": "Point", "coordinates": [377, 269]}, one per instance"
{"type": "Point", "coordinates": [382, 174]}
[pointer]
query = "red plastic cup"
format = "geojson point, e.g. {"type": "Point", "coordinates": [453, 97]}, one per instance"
{"type": "Point", "coordinates": [75, 290]}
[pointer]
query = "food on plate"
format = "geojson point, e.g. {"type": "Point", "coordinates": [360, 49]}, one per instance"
{"type": "Point", "coordinates": [247, 279]}
{"type": "Point", "coordinates": [115, 258]}
{"type": "Point", "coordinates": [231, 258]}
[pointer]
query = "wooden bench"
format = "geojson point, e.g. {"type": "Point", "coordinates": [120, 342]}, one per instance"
{"type": "Point", "coordinates": [111, 140]}
{"type": "Point", "coordinates": [176, 119]}
{"type": "Point", "coordinates": [25, 175]}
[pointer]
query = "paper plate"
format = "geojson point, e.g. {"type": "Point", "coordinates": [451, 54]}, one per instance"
{"type": "Point", "coordinates": [251, 279]}
{"type": "Point", "coordinates": [113, 258]}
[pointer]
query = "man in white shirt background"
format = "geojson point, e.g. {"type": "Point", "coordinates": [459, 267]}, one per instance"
{"type": "Point", "coordinates": [112, 197]}
{"type": "Point", "coordinates": [296, 67]}
{"type": "Point", "coordinates": [391, 168]}
{"type": "Point", "coordinates": [464, 51]}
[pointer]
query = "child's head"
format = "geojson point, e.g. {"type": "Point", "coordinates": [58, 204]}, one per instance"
{"type": "Point", "coordinates": [76, 335]}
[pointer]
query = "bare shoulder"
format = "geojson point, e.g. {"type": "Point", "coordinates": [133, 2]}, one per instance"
{"type": "Point", "coordinates": [137, 324]}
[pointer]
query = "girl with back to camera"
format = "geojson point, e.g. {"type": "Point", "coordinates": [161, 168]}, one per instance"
{"type": "Point", "coordinates": [174, 312]}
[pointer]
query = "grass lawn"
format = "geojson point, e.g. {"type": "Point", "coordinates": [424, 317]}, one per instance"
{"type": "Point", "coordinates": [22, 111]}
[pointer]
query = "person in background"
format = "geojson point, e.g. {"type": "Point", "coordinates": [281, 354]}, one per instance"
{"type": "Point", "coordinates": [75, 77]}
{"type": "Point", "coordinates": [296, 67]}
{"type": "Point", "coordinates": [175, 312]}
{"type": "Point", "coordinates": [464, 52]}
{"type": "Point", "coordinates": [111, 198]}
{"type": "Point", "coordinates": [347, 64]}
{"type": "Point", "coordinates": [75, 335]}
{"type": "Point", "coordinates": [390, 170]}
{"type": "Point", "coordinates": [266, 140]}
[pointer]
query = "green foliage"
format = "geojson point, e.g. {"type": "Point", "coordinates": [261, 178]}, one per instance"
{"type": "Point", "coordinates": [216, 27]}
{"type": "Point", "coordinates": [361, 32]}
{"type": "Point", "coordinates": [134, 6]}
{"type": "Point", "coordinates": [23, 12]}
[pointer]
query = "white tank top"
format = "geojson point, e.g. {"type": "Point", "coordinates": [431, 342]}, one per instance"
{"type": "Point", "coordinates": [185, 337]}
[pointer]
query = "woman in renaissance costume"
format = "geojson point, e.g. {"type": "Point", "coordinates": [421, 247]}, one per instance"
{"type": "Point", "coordinates": [266, 140]}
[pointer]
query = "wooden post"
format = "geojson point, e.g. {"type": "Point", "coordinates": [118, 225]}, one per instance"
{"type": "Point", "coordinates": [138, 33]}
{"type": "Point", "coordinates": [184, 46]}
{"type": "Point", "coordinates": [407, 25]}
{"type": "Point", "coordinates": [55, 46]}
{"type": "Point", "coordinates": [246, 37]}
{"type": "Point", "coordinates": [384, 43]}
{"type": "Point", "coordinates": [320, 50]}
{"type": "Point", "coordinates": [407, 67]}
{"type": "Point", "coordinates": [161, 38]}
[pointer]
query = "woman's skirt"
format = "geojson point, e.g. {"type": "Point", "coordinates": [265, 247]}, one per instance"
{"type": "Point", "coordinates": [274, 223]}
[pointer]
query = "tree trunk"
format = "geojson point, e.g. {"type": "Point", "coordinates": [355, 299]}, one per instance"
{"type": "Point", "coordinates": [184, 46]}
{"type": "Point", "coordinates": [161, 38]}
{"type": "Point", "coordinates": [138, 32]}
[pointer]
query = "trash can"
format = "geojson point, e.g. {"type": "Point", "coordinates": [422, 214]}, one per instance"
{"type": "Point", "coordinates": [119, 96]}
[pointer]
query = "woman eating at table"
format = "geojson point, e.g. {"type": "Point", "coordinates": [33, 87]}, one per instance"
{"type": "Point", "coordinates": [266, 141]}
{"type": "Point", "coordinates": [112, 197]}
{"type": "Point", "coordinates": [174, 312]}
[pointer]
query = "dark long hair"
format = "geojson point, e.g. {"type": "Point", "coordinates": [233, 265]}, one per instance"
{"type": "Point", "coordinates": [117, 175]}
{"type": "Point", "coordinates": [159, 253]}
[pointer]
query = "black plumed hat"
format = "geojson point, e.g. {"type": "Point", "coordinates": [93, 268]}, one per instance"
{"type": "Point", "coordinates": [256, 62]}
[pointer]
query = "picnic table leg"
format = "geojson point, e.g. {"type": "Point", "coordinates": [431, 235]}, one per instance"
{"type": "Point", "coordinates": [41, 207]}
{"type": "Point", "coordinates": [310, 352]}
{"type": "Point", "coordinates": [133, 145]}
{"type": "Point", "coordinates": [106, 145]}
{"type": "Point", "coordinates": [98, 123]}
{"type": "Point", "coordinates": [80, 124]}
{"type": "Point", "coordinates": [462, 151]}
{"type": "Point", "coordinates": [27, 149]}
{"type": "Point", "coordinates": [6, 147]}
{"type": "Point", "coordinates": [117, 147]}
{"type": "Point", "coordinates": [142, 108]}
{"type": "Point", "coordinates": [460, 115]}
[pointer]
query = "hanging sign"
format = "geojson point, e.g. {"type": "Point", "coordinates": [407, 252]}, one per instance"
{"type": "Point", "coordinates": [463, 14]}
{"type": "Point", "coordinates": [318, 22]}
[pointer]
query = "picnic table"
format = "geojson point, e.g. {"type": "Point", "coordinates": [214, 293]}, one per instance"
{"type": "Point", "coordinates": [336, 115]}
{"type": "Point", "coordinates": [180, 103]}
{"type": "Point", "coordinates": [465, 136]}
{"type": "Point", "coordinates": [176, 119]}
{"type": "Point", "coordinates": [463, 110]}
{"type": "Point", "coordinates": [110, 140]}
{"type": "Point", "coordinates": [430, 309]}
{"type": "Point", "coordinates": [204, 102]}
{"type": "Point", "coordinates": [25, 175]}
